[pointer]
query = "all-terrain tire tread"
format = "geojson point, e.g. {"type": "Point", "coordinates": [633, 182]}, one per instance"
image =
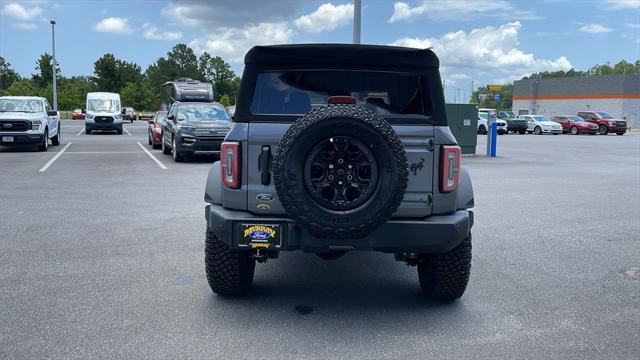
{"type": "Point", "coordinates": [445, 276]}
{"type": "Point", "coordinates": [229, 272]}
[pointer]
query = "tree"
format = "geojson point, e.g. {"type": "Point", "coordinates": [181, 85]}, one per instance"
{"type": "Point", "coordinates": [224, 100]}
{"type": "Point", "coordinates": [7, 75]}
{"type": "Point", "coordinates": [180, 62]}
{"type": "Point", "coordinates": [105, 71]}
{"type": "Point", "coordinates": [72, 92]}
{"type": "Point", "coordinates": [485, 98]}
{"type": "Point", "coordinates": [140, 96]}
{"type": "Point", "coordinates": [185, 61]}
{"type": "Point", "coordinates": [218, 72]}
{"type": "Point", "coordinates": [23, 87]}
{"type": "Point", "coordinates": [44, 71]}
{"type": "Point", "coordinates": [112, 74]}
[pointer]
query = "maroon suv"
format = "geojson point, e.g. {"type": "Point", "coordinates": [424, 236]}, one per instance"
{"type": "Point", "coordinates": [606, 123]}
{"type": "Point", "coordinates": [575, 125]}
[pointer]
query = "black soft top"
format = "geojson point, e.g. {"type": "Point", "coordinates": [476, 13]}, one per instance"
{"type": "Point", "coordinates": [341, 54]}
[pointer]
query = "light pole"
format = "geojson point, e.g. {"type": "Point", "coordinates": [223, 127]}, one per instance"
{"type": "Point", "coordinates": [471, 93]}
{"type": "Point", "coordinates": [55, 75]}
{"type": "Point", "coordinates": [357, 7]}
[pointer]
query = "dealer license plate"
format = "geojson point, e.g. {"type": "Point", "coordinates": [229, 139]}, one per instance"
{"type": "Point", "coordinates": [260, 235]}
{"type": "Point", "coordinates": [7, 139]}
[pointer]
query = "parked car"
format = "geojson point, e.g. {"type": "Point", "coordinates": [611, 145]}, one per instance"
{"type": "Point", "coordinates": [483, 127]}
{"type": "Point", "coordinates": [317, 161]}
{"type": "Point", "coordinates": [606, 123]}
{"type": "Point", "coordinates": [194, 128]}
{"type": "Point", "coordinates": [128, 113]}
{"type": "Point", "coordinates": [28, 120]}
{"type": "Point", "coordinates": [155, 129]}
{"type": "Point", "coordinates": [575, 125]}
{"type": "Point", "coordinates": [231, 110]}
{"type": "Point", "coordinates": [77, 114]}
{"type": "Point", "coordinates": [513, 123]}
{"type": "Point", "coordinates": [539, 125]}
{"type": "Point", "coordinates": [103, 112]}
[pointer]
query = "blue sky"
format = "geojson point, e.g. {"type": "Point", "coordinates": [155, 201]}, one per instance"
{"type": "Point", "coordinates": [485, 41]}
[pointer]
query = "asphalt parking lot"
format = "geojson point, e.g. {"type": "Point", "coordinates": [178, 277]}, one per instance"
{"type": "Point", "coordinates": [101, 256]}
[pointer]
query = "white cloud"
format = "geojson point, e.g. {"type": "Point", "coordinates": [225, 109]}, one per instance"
{"type": "Point", "coordinates": [19, 12]}
{"type": "Point", "coordinates": [622, 4]}
{"type": "Point", "coordinates": [459, 76]}
{"type": "Point", "coordinates": [595, 29]}
{"type": "Point", "coordinates": [489, 49]}
{"type": "Point", "coordinates": [326, 17]}
{"type": "Point", "coordinates": [25, 26]}
{"type": "Point", "coordinates": [151, 32]}
{"type": "Point", "coordinates": [114, 25]}
{"type": "Point", "coordinates": [233, 43]}
{"type": "Point", "coordinates": [459, 9]}
{"type": "Point", "coordinates": [212, 15]}
{"type": "Point", "coordinates": [632, 25]}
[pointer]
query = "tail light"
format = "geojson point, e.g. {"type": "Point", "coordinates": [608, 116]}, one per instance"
{"type": "Point", "coordinates": [341, 100]}
{"type": "Point", "coordinates": [449, 168]}
{"type": "Point", "coordinates": [230, 164]}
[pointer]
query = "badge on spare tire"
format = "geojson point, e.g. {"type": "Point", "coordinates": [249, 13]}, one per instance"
{"type": "Point", "coordinates": [340, 171]}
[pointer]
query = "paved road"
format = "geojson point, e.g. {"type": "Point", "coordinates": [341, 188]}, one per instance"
{"type": "Point", "coordinates": [101, 256]}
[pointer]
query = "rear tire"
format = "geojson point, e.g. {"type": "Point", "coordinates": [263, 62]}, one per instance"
{"type": "Point", "coordinates": [165, 149]}
{"type": "Point", "coordinates": [522, 132]}
{"type": "Point", "coordinates": [150, 141]}
{"type": "Point", "coordinates": [229, 272]}
{"type": "Point", "coordinates": [537, 130]}
{"type": "Point", "coordinates": [445, 276]}
{"type": "Point", "coordinates": [87, 131]}
{"type": "Point", "coordinates": [55, 141]}
{"type": "Point", "coordinates": [575, 131]}
{"type": "Point", "coordinates": [620, 133]}
{"type": "Point", "coordinates": [482, 130]}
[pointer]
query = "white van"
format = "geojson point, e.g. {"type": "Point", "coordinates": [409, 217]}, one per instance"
{"type": "Point", "coordinates": [103, 112]}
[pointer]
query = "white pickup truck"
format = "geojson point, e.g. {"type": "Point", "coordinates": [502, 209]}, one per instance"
{"type": "Point", "coordinates": [28, 120]}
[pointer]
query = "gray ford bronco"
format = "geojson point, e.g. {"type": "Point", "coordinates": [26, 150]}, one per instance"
{"type": "Point", "coordinates": [338, 148]}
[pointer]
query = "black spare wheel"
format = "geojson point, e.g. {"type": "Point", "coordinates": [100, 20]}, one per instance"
{"type": "Point", "coordinates": [340, 171]}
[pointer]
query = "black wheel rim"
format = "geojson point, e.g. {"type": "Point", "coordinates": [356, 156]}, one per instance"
{"type": "Point", "coordinates": [341, 173]}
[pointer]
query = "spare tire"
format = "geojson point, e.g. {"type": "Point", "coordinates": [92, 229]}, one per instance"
{"type": "Point", "coordinates": [340, 171]}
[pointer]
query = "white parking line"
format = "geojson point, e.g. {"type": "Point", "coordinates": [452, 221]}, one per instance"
{"type": "Point", "coordinates": [102, 152]}
{"type": "Point", "coordinates": [80, 132]}
{"type": "Point", "coordinates": [127, 131]}
{"type": "Point", "coordinates": [152, 157]}
{"type": "Point", "coordinates": [46, 166]}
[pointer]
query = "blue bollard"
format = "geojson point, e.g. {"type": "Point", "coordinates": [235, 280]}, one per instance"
{"type": "Point", "coordinates": [494, 138]}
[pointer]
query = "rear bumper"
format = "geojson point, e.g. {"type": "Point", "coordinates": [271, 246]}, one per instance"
{"type": "Point", "coordinates": [434, 234]}
{"type": "Point", "coordinates": [21, 139]}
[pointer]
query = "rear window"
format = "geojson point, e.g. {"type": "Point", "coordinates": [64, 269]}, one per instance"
{"type": "Point", "coordinates": [297, 92]}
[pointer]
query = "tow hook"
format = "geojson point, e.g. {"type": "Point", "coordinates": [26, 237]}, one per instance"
{"type": "Point", "coordinates": [411, 259]}
{"type": "Point", "coordinates": [262, 255]}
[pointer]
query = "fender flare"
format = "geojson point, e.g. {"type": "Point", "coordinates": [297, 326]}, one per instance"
{"type": "Point", "coordinates": [213, 188]}
{"type": "Point", "coordinates": [465, 191]}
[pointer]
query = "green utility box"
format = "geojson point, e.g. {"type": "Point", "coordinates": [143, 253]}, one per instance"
{"type": "Point", "coordinates": [463, 122]}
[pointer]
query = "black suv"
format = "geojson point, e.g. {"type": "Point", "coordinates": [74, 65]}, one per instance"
{"type": "Point", "coordinates": [339, 148]}
{"type": "Point", "coordinates": [193, 128]}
